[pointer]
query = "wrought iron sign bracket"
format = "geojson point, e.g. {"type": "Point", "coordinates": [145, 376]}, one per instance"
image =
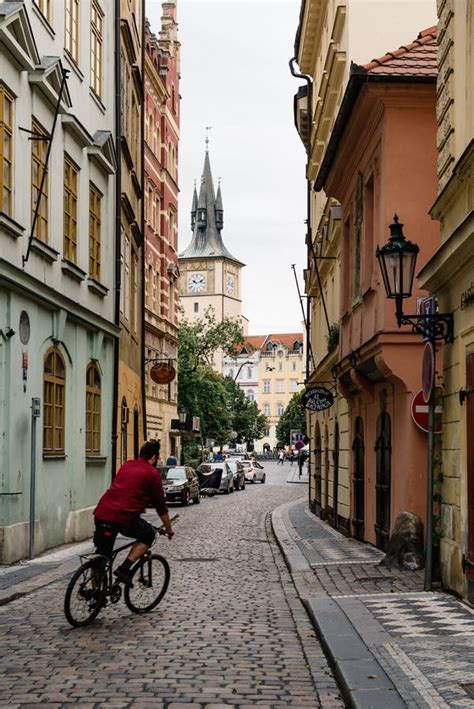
{"type": "Point", "coordinates": [438, 327]}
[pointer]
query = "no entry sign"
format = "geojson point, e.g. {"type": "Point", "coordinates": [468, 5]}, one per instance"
{"type": "Point", "coordinates": [419, 411]}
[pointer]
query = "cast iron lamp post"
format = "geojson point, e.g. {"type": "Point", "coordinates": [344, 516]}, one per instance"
{"type": "Point", "coordinates": [397, 261]}
{"type": "Point", "coordinates": [183, 415]}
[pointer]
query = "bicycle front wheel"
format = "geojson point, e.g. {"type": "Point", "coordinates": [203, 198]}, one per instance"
{"type": "Point", "coordinates": [150, 579]}
{"type": "Point", "coordinates": [85, 594]}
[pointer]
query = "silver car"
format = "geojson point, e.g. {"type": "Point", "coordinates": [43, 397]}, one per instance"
{"type": "Point", "coordinates": [227, 479]}
{"type": "Point", "coordinates": [254, 472]}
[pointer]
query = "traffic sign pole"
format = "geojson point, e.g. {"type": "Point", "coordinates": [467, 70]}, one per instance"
{"type": "Point", "coordinates": [429, 495]}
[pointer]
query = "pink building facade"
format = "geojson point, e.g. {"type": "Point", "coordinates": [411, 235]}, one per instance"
{"type": "Point", "coordinates": [381, 159]}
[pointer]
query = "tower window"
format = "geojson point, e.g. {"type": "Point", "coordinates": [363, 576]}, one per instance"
{"type": "Point", "coordinates": [196, 307]}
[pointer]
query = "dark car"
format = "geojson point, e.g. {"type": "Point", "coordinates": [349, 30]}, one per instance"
{"type": "Point", "coordinates": [180, 484]}
{"type": "Point", "coordinates": [238, 473]}
{"type": "Point", "coordinates": [227, 479]}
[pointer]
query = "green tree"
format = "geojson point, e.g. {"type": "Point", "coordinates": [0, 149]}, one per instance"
{"type": "Point", "coordinates": [293, 418]}
{"type": "Point", "coordinates": [247, 421]}
{"type": "Point", "coordinates": [201, 390]}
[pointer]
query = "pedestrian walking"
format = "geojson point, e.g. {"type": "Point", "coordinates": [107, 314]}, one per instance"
{"type": "Point", "coordinates": [281, 457]}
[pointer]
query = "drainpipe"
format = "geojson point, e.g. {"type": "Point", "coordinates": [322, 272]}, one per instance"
{"type": "Point", "coordinates": [142, 226]}
{"type": "Point", "coordinates": [118, 240]}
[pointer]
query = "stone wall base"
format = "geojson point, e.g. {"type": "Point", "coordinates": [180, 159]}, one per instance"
{"type": "Point", "coordinates": [452, 574]}
{"type": "Point", "coordinates": [14, 541]}
{"type": "Point", "coordinates": [79, 525]}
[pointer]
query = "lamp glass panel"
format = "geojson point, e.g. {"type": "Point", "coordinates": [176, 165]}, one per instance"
{"type": "Point", "coordinates": [409, 263]}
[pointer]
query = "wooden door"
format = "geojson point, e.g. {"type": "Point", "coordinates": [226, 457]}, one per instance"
{"type": "Point", "coordinates": [383, 451]}
{"type": "Point", "coordinates": [335, 482]}
{"type": "Point", "coordinates": [326, 512]}
{"type": "Point", "coordinates": [358, 458]}
{"type": "Point", "coordinates": [470, 472]}
{"type": "Point", "coordinates": [317, 469]}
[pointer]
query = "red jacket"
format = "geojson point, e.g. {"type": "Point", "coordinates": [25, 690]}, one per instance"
{"type": "Point", "coordinates": [136, 486]}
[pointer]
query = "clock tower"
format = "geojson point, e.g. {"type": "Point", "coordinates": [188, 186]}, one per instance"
{"type": "Point", "coordinates": [210, 275]}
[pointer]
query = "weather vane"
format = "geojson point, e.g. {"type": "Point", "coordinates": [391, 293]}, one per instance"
{"type": "Point", "coordinates": [208, 128]}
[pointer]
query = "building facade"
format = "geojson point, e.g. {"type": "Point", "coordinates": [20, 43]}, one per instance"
{"type": "Point", "coordinates": [449, 275]}
{"type": "Point", "coordinates": [210, 276]}
{"type": "Point", "coordinates": [130, 396]}
{"type": "Point", "coordinates": [57, 281]}
{"type": "Point", "coordinates": [270, 369]}
{"type": "Point", "coordinates": [332, 34]}
{"type": "Point", "coordinates": [161, 223]}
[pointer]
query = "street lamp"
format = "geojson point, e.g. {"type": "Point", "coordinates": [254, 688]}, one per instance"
{"type": "Point", "coordinates": [397, 261]}
{"type": "Point", "coordinates": [183, 415]}
{"type": "Point", "coordinates": [240, 369]}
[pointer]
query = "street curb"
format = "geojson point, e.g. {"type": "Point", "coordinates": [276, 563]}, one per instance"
{"type": "Point", "coordinates": [361, 679]}
{"type": "Point", "coordinates": [294, 558]}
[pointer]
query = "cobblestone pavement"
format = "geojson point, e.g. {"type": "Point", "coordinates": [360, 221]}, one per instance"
{"type": "Point", "coordinates": [231, 630]}
{"type": "Point", "coordinates": [392, 643]}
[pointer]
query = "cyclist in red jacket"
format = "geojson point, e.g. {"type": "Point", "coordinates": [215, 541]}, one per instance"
{"type": "Point", "coordinates": [136, 486]}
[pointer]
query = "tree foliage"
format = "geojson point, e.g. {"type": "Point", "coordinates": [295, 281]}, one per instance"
{"type": "Point", "coordinates": [201, 390]}
{"type": "Point", "coordinates": [247, 421]}
{"type": "Point", "coordinates": [293, 418]}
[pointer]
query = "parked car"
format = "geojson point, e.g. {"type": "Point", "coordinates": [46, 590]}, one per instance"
{"type": "Point", "coordinates": [227, 479]}
{"type": "Point", "coordinates": [253, 471]}
{"type": "Point", "coordinates": [238, 456]}
{"type": "Point", "coordinates": [238, 472]}
{"type": "Point", "coordinates": [180, 484]}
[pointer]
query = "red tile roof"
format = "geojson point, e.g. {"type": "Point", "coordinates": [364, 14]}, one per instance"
{"type": "Point", "coordinates": [287, 339]}
{"type": "Point", "coordinates": [419, 58]}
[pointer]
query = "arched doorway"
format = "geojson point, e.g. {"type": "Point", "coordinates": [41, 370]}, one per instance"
{"type": "Point", "coordinates": [317, 469]}
{"type": "Point", "coordinates": [383, 452]}
{"type": "Point", "coordinates": [335, 482]}
{"type": "Point", "coordinates": [326, 511]}
{"type": "Point", "coordinates": [358, 452]}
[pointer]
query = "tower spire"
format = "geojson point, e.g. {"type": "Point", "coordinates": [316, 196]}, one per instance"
{"type": "Point", "coordinates": [208, 129]}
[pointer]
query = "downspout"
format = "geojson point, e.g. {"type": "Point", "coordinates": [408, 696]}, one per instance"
{"type": "Point", "coordinates": [142, 227]}
{"type": "Point", "coordinates": [118, 240]}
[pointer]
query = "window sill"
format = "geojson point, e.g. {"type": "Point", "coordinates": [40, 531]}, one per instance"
{"type": "Point", "coordinates": [73, 64]}
{"type": "Point", "coordinates": [96, 459]}
{"type": "Point", "coordinates": [11, 226]}
{"type": "Point", "coordinates": [44, 20]}
{"type": "Point", "coordinates": [54, 456]}
{"type": "Point", "coordinates": [44, 250]}
{"type": "Point", "coordinates": [72, 270]}
{"type": "Point", "coordinates": [97, 287]}
{"type": "Point", "coordinates": [97, 100]}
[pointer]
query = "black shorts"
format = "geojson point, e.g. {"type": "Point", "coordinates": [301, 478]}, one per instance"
{"type": "Point", "coordinates": [106, 533]}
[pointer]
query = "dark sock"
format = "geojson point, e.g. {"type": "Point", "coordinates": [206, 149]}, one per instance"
{"type": "Point", "coordinates": [126, 565]}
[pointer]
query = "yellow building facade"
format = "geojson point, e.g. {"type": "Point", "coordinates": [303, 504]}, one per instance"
{"type": "Point", "coordinates": [449, 275]}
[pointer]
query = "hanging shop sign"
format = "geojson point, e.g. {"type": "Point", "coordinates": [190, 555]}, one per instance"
{"type": "Point", "coordinates": [162, 373]}
{"type": "Point", "coordinates": [317, 399]}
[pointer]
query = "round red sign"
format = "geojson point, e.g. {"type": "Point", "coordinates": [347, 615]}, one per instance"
{"type": "Point", "coordinates": [419, 411]}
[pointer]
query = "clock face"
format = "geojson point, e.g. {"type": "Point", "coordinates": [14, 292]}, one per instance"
{"type": "Point", "coordinates": [229, 284]}
{"type": "Point", "coordinates": [196, 283]}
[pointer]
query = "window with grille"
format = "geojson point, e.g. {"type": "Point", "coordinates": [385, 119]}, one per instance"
{"type": "Point", "coordinates": [54, 382]}
{"type": "Point", "coordinates": [97, 44]}
{"type": "Point", "coordinates": [95, 198]}
{"type": "Point", "coordinates": [39, 148]}
{"type": "Point", "coordinates": [93, 410]}
{"type": "Point", "coordinates": [45, 7]}
{"type": "Point", "coordinates": [6, 151]}
{"type": "Point", "coordinates": [70, 211]}
{"type": "Point", "coordinates": [71, 28]}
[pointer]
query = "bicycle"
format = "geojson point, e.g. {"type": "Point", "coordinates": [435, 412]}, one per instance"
{"type": "Point", "coordinates": [93, 584]}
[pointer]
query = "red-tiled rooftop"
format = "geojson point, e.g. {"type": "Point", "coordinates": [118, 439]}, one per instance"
{"type": "Point", "coordinates": [419, 58]}
{"type": "Point", "coordinates": [257, 342]}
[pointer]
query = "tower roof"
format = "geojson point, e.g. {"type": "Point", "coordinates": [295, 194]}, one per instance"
{"type": "Point", "coordinates": [207, 239]}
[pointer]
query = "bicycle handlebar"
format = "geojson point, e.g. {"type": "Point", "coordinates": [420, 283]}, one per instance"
{"type": "Point", "coordinates": [161, 530]}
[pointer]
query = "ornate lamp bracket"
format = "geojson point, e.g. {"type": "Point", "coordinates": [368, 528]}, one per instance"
{"type": "Point", "coordinates": [438, 327]}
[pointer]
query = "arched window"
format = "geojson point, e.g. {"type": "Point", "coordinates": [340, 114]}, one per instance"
{"type": "Point", "coordinates": [54, 394]}
{"type": "Point", "coordinates": [296, 346]}
{"type": "Point", "coordinates": [383, 461]}
{"type": "Point", "coordinates": [358, 447]}
{"type": "Point", "coordinates": [266, 410]}
{"type": "Point", "coordinates": [269, 347]}
{"type": "Point", "coordinates": [93, 409]}
{"type": "Point", "coordinates": [281, 409]}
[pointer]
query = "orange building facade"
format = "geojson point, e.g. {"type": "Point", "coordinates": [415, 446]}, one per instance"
{"type": "Point", "coordinates": [381, 159]}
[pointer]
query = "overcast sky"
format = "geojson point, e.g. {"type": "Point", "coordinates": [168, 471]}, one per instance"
{"type": "Point", "coordinates": [235, 78]}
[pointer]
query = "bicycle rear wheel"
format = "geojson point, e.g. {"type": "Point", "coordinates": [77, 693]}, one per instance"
{"type": "Point", "coordinates": [150, 578]}
{"type": "Point", "coordinates": [85, 593]}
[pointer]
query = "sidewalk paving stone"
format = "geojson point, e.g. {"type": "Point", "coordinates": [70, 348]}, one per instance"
{"type": "Point", "coordinates": [390, 643]}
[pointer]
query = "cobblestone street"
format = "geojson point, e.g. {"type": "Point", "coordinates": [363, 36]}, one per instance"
{"type": "Point", "coordinates": [231, 630]}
